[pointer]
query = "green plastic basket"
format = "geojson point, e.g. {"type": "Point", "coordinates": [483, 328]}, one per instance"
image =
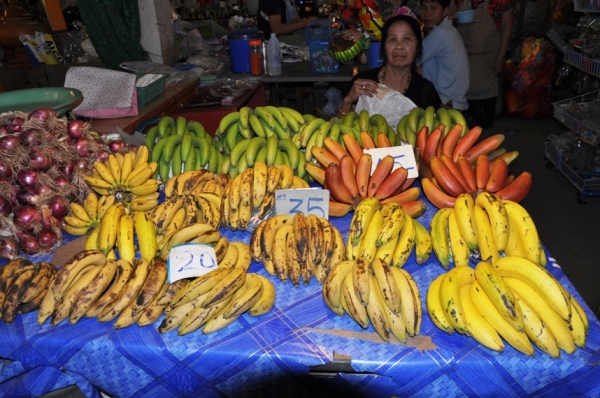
{"type": "Point", "coordinates": [148, 93]}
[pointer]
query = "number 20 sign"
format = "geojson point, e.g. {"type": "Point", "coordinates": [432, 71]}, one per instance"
{"type": "Point", "coordinates": [302, 200]}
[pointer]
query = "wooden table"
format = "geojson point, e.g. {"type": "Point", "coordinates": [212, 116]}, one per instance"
{"type": "Point", "coordinates": [167, 103]}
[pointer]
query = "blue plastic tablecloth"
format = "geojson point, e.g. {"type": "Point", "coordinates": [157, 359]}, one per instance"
{"type": "Point", "coordinates": [271, 355]}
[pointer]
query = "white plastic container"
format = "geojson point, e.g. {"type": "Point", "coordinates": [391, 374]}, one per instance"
{"type": "Point", "coordinates": [273, 56]}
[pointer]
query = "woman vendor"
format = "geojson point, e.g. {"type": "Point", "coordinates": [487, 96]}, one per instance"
{"type": "Point", "coordinates": [402, 46]}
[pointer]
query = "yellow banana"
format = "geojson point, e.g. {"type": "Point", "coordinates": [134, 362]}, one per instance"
{"type": "Point", "coordinates": [450, 287]}
{"type": "Point", "coordinates": [477, 326]}
{"type": "Point", "coordinates": [458, 246]}
{"type": "Point", "coordinates": [497, 215]}
{"type": "Point", "coordinates": [434, 306]}
{"type": "Point", "coordinates": [423, 245]}
{"type": "Point", "coordinates": [463, 212]}
{"type": "Point", "coordinates": [439, 236]}
{"type": "Point", "coordinates": [126, 238]}
{"type": "Point", "coordinates": [266, 300]}
{"type": "Point", "coordinates": [107, 235]}
{"type": "Point", "coordinates": [485, 236]}
{"type": "Point", "coordinates": [406, 242]}
{"type": "Point", "coordinates": [146, 235]}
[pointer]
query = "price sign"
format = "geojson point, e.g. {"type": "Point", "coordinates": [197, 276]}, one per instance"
{"type": "Point", "coordinates": [302, 200]}
{"type": "Point", "coordinates": [190, 260]}
{"type": "Point", "coordinates": [404, 156]}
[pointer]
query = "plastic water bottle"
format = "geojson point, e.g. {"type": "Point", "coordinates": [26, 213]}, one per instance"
{"type": "Point", "coordinates": [273, 56]}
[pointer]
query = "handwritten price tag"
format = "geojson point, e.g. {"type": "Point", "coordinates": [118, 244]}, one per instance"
{"type": "Point", "coordinates": [302, 200]}
{"type": "Point", "coordinates": [404, 156]}
{"type": "Point", "coordinates": [190, 260]}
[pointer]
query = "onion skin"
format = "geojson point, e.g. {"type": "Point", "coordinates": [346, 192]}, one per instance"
{"type": "Point", "coordinates": [9, 248]}
{"type": "Point", "coordinates": [15, 125]}
{"type": "Point", "coordinates": [102, 156]}
{"type": "Point", "coordinates": [10, 142]}
{"type": "Point", "coordinates": [6, 206]}
{"type": "Point", "coordinates": [5, 171]}
{"type": "Point", "coordinates": [3, 131]}
{"type": "Point", "coordinates": [27, 178]}
{"type": "Point", "coordinates": [27, 197]}
{"type": "Point", "coordinates": [42, 114]}
{"type": "Point", "coordinates": [38, 160]}
{"type": "Point", "coordinates": [27, 217]}
{"type": "Point", "coordinates": [59, 206]}
{"type": "Point", "coordinates": [82, 147]}
{"type": "Point", "coordinates": [29, 244]}
{"type": "Point", "coordinates": [30, 138]}
{"type": "Point", "coordinates": [67, 170]}
{"type": "Point", "coordinates": [76, 129]}
{"type": "Point", "coordinates": [116, 146]}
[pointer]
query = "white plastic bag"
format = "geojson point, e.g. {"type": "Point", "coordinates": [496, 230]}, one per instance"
{"type": "Point", "coordinates": [388, 102]}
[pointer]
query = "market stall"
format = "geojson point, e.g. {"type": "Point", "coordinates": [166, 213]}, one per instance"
{"type": "Point", "coordinates": [274, 354]}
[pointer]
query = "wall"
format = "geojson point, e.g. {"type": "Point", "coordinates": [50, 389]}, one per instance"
{"type": "Point", "coordinates": [157, 31]}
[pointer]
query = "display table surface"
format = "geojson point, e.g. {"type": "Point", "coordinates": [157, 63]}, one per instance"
{"type": "Point", "coordinates": [272, 355]}
{"type": "Point", "coordinates": [165, 104]}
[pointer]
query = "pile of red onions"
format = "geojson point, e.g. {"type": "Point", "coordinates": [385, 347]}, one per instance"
{"type": "Point", "coordinates": [43, 159]}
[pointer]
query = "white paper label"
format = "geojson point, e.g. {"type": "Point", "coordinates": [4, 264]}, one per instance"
{"type": "Point", "coordinates": [190, 260]}
{"type": "Point", "coordinates": [404, 156]}
{"type": "Point", "coordinates": [302, 200]}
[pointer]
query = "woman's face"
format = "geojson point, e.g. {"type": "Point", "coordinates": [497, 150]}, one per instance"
{"type": "Point", "coordinates": [401, 45]}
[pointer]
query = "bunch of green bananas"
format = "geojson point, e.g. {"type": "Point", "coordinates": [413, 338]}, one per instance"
{"type": "Point", "coordinates": [410, 124]}
{"type": "Point", "coordinates": [178, 145]}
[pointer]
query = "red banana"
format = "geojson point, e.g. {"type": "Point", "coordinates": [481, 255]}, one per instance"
{"type": "Point", "coordinates": [414, 208]}
{"type": "Point", "coordinates": [348, 170]}
{"type": "Point", "coordinates": [451, 139]}
{"type": "Point", "coordinates": [352, 147]}
{"type": "Point", "coordinates": [409, 195]}
{"type": "Point", "coordinates": [498, 176]}
{"type": "Point", "coordinates": [337, 209]}
{"type": "Point", "coordinates": [316, 172]}
{"type": "Point", "coordinates": [383, 141]}
{"type": "Point", "coordinates": [436, 196]}
{"type": "Point", "coordinates": [323, 156]}
{"type": "Point", "coordinates": [381, 172]}
{"type": "Point", "coordinates": [335, 148]}
{"type": "Point", "coordinates": [335, 184]}
{"type": "Point", "coordinates": [485, 147]}
{"type": "Point", "coordinates": [431, 145]}
{"type": "Point", "coordinates": [482, 171]}
{"type": "Point", "coordinates": [363, 172]}
{"type": "Point", "coordinates": [466, 142]}
{"type": "Point", "coordinates": [445, 179]}
{"type": "Point", "coordinates": [467, 172]}
{"type": "Point", "coordinates": [422, 136]}
{"type": "Point", "coordinates": [518, 189]}
{"type": "Point", "coordinates": [392, 184]}
{"type": "Point", "coordinates": [366, 140]}
{"type": "Point", "coordinates": [455, 171]}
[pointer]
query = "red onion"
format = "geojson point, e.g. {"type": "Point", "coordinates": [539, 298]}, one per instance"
{"type": "Point", "coordinates": [116, 146]}
{"type": "Point", "coordinates": [38, 160]}
{"type": "Point", "coordinates": [15, 125]}
{"type": "Point", "coordinates": [102, 156]}
{"type": "Point", "coordinates": [27, 197]}
{"type": "Point", "coordinates": [26, 217]}
{"type": "Point", "coordinates": [59, 206]}
{"type": "Point", "coordinates": [67, 170]}
{"type": "Point", "coordinates": [9, 248]}
{"type": "Point", "coordinates": [76, 128]}
{"type": "Point", "coordinates": [28, 243]}
{"type": "Point", "coordinates": [44, 190]}
{"type": "Point", "coordinates": [31, 138]}
{"type": "Point", "coordinates": [5, 170]}
{"type": "Point", "coordinates": [81, 164]}
{"type": "Point", "coordinates": [9, 142]}
{"type": "Point", "coordinates": [82, 147]}
{"type": "Point", "coordinates": [47, 238]}
{"type": "Point", "coordinates": [131, 148]}
{"type": "Point", "coordinates": [42, 114]}
{"type": "Point", "coordinates": [3, 131]}
{"type": "Point", "coordinates": [5, 206]}
{"type": "Point", "coordinates": [27, 178]}
{"type": "Point", "coordinates": [62, 181]}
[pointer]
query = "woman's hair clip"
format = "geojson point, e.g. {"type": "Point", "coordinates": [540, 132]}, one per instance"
{"type": "Point", "coordinates": [404, 10]}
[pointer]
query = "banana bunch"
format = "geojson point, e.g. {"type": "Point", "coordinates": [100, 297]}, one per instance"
{"type": "Point", "coordinates": [372, 292]}
{"type": "Point", "coordinates": [23, 285]}
{"type": "Point", "coordinates": [513, 301]}
{"type": "Point", "coordinates": [369, 131]}
{"type": "Point", "coordinates": [484, 229]}
{"type": "Point", "coordinates": [128, 173]}
{"type": "Point", "coordinates": [178, 145]}
{"type": "Point", "coordinates": [449, 179]}
{"type": "Point", "coordinates": [82, 218]}
{"type": "Point", "coordinates": [216, 299]}
{"type": "Point", "coordinates": [297, 247]}
{"type": "Point", "coordinates": [427, 120]}
{"type": "Point", "coordinates": [262, 121]}
{"type": "Point", "coordinates": [386, 232]}
{"type": "Point", "coordinates": [251, 194]}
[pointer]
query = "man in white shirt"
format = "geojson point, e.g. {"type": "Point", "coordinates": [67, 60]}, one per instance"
{"type": "Point", "coordinates": [444, 60]}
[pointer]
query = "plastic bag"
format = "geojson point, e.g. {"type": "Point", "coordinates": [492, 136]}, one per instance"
{"type": "Point", "coordinates": [389, 103]}
{"type": "Point", "coordinates": [527, 86]}
{"type": "Point", "coordinates": [175, 76]}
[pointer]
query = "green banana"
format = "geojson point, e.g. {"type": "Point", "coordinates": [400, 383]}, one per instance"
{"type": "Point", "coordinates": [238, 152]}
{"type": "Point", "coordinates": [277, 116]}
{"type": "Point", "coordinates": [287, 146]}
{"type": "Point", "coordinates": [257, 127]}
{"type": "Point", "coordinates": [228, 120]}
{"type": "Point", "coordinates": [163, 124]}
{"type": "Point", "coordinates": [272, 144]}
{"type": "Point", "coordinates": [309, 130]}
{"type": "Point", "coordinates": [444, 116]}
{"type": "Point", "coordinates": [157, 149]}
{"type": "Point", "coordinates": [254, 146]}
{"type": "Point", "coordinates": [151, 136]}
{"type": "Point", "coordinates": [172, 142]}
{"type": "Point", "coordinates": [265, 115]}
{"type": "Point", "coordinates": [176, 160]}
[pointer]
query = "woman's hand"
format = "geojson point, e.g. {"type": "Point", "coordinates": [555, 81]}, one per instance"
{"type": "Point", "coordinates": [361, 87]}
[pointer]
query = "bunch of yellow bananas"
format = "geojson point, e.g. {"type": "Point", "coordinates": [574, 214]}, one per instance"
{"type": "Point", "coordinates": [370, 291]}
{"type": "Point", "coordinates": [513, 300]}
{"type": "Point", "coordinates": [386, 232]}
{"type": "Point", "coordinates": [131, 172]}
{"type": "Point", "coordinates": [216, 299]}
{"type": "Point", "coordinates": [297, 247]}
{"type": "Point", "coordinates": [23, 285]}
{"type": "Point", "coordinates": [83, 217]}
{"type": "Point", "coordinates": [484, 229]}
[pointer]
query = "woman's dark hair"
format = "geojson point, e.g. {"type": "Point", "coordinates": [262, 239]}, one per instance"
{"type": "Point", "coordinates": [414, 26]}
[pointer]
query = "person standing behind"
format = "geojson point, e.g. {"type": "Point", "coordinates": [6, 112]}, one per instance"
{"type": "Point", "coordinates": [273, 17]}
{"type": "Point", "coordinates": [486, 40]}
{"type": "Point", "coordinates": [444, 60]}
